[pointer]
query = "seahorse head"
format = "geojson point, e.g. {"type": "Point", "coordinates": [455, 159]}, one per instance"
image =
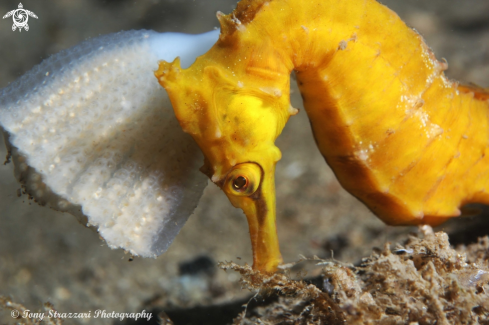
{"type": "Point", "coordinates": [235, 113]}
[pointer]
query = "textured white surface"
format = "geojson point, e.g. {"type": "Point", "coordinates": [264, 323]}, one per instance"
{"type": "Point", "coordinates": [101, 132]}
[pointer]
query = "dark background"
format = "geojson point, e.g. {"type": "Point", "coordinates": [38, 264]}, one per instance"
{"type": "Point", "coordinates": [49, 256]}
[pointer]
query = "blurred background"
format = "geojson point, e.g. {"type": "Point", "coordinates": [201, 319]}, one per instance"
{"type": "Point", "coordinates": [48, 256]}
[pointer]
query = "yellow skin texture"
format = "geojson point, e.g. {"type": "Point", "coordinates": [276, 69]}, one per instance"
{"type": "Point", "coordinates": [398, 134]}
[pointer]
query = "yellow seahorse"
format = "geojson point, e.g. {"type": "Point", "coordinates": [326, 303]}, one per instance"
{"type": "Point", "coordinates": [409, 143]}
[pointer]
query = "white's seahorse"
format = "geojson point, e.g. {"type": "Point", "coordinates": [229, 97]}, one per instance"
{"type": "Point", "coordinates": [409, 143]}
{"type": "Point", "coordinates": [85, 123]}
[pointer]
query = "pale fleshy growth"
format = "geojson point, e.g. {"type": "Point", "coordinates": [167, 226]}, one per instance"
{"type": "Point", "coordinates": [93, 125]}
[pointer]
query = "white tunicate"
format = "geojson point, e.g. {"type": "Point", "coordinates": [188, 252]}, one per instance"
{"type": "Point", "coordinates": [98, 129]}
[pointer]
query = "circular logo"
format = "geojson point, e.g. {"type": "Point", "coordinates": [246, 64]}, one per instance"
{"type": "Point", "coordinates": [20, 18]}
{"type": "Point", "coordinates": [15, 313]}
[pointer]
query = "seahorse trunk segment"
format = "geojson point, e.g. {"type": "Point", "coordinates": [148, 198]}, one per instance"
{"type": "Point", "coordinates": [398, 134]}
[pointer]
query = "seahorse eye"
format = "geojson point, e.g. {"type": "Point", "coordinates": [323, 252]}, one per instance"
{"type": "Point", "coordinates": [243, 180]}
{"type": "Point", "coordinates": [240, 183]}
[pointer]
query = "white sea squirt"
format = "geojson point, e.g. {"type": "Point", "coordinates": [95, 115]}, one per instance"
{"type": "Point", "coordinates": [90, 127]}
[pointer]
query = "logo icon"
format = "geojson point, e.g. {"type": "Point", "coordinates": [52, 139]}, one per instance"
{"type": "Point", "coordinates": [20, 17]}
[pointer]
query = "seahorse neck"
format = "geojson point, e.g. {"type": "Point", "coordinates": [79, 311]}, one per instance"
{"type": "Point", "coordinates": [287, 35]}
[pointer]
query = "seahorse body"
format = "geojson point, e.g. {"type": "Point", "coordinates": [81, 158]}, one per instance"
{"type": "Point", "coordinates": [398, 134]}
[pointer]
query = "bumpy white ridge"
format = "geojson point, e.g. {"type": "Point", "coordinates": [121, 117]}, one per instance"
{"type": "Point", "coordinates": [98, 128]}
